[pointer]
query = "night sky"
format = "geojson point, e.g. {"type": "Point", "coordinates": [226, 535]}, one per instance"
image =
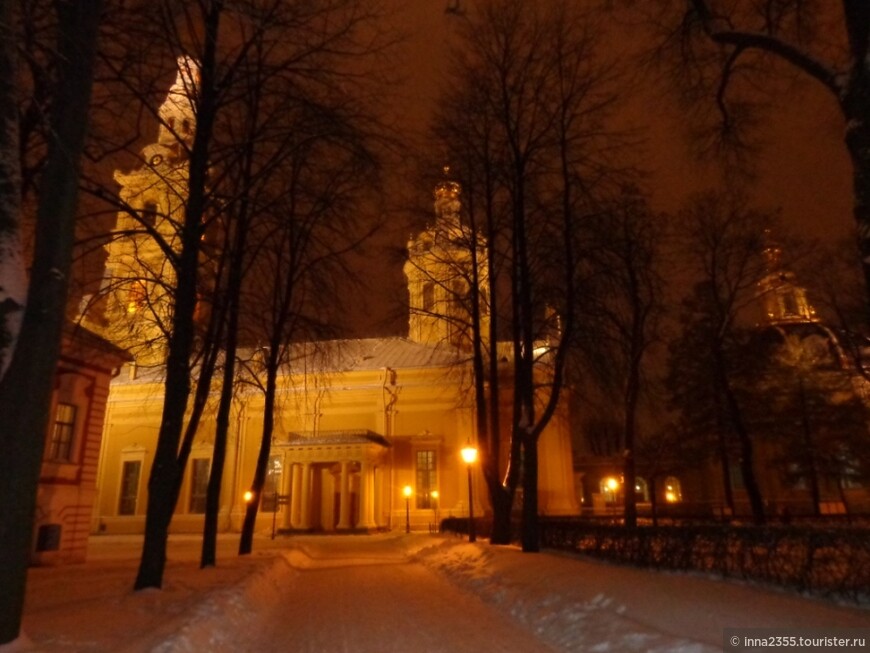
{"type": "Point", "coordinates": [803, 167]}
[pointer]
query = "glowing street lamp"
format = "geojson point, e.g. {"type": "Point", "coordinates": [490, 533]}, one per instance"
{"type": "Point", "coordinates": [248, 496]}
{"type": "Point", "coordinates": [469, 455]}
{"type": "Point", "coordinates": [407, 492]}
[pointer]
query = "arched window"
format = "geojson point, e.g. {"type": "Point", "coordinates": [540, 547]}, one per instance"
{"type": "Point", "coordinates": [641, 489]}
{"type": "Point", "coordinates": [673, 491]}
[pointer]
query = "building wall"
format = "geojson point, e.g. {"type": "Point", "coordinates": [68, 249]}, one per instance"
{"type": "Point", "coordinates": [67, 485]}
{"type": "Point", "coordinates": [428, 415]}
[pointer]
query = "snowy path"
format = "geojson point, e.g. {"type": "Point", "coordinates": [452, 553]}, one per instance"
{"type": "Point", "coordinates": [348, 598]}
{"type": "Point", "coordinates": [393, 592]}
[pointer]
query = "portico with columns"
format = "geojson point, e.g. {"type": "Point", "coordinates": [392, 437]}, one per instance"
{"type": "Point", "coordinates": [334, 481]}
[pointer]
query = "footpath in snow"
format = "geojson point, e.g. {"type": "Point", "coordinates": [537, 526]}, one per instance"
{"type": "Point", "coordinates": [393, 592]}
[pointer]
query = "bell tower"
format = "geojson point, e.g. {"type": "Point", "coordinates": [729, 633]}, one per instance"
{"type": "Point", "coordinates": [440, 273]}
{"type": "Point", "coordinates": [783, 300]}
{"type": "Point", "coordinates": [139, 274]}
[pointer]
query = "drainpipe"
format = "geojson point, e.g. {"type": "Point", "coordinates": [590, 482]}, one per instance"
{"type": "Point", "coordinates": [389, 376]}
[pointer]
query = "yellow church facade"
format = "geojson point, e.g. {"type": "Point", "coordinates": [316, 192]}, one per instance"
{"type": "Point", "coordinates": [347, 444]}
{"type": "Point", "coordinates": [368, 432]}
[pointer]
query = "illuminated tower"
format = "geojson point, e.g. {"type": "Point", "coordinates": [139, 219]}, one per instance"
{"type": "Point", "coordinates": [440, 274]}
{"type": "Point", "coordinates": [139, 275]}
{"type": "Point", "coordinates": [783, 300]}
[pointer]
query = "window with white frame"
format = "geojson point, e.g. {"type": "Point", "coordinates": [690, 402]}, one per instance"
{"type": "Point", "coordinates": [131, 471]}
{"type": "Point", "coordinates": [427, 478]}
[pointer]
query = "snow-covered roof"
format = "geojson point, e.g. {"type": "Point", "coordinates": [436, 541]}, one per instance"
{"type": "Point", "coordinates": [378, 353]}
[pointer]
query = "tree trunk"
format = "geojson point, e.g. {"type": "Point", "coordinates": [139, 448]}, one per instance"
{"type": "Point", "coordinates": [25, 389]}
{"type": "Point", "coordinates": [809, 450]}
{"type": "Point", "coordinates": [531, 541]}
{"type": "Point", "coordinates": [246, 541]}
{"type": "Point", "coordinates": [747, 467]}
{"type": "Point", "coordinates": [165, 471]}
{"type": "Point", "coordinates": [222, 422]}
{"type": "Point", "coordinates": [502, 510]}
{"type": "Point", "coordinates": [629, 471]}
{"type": "Point", "coordinates": [202, 392]}
{"type": "Point", "coordinates": [724, 462]}
{"type": "Point", "coordinates": [13, 278]}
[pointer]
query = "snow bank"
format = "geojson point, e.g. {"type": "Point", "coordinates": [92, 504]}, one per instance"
{"type": "Point", "coordinates": [557, 608]}
{"type": "Point", "coordinates": [226, 618]}
{"type": "Point", "coordinates": [582, 604]}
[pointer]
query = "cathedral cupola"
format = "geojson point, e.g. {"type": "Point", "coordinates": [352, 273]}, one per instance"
{"type": "Point", "coordinates": [447, 204]}
{"type": "Point", "coordinates": [783, 299]}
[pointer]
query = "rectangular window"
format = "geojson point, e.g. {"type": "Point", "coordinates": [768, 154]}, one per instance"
{"type": "Point", "coordinates": [129, 487]}
{"type": "Point", "coordinates": [198, 485]}
{"type": "Point", "coordinates": [60, 447]}
{"type": "Point", "coordinates": [271, 486]}
{"type": "Point", "coordinates": [426, 478]}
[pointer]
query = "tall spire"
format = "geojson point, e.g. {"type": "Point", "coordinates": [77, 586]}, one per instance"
{"type": "Point", "coordinates": [177, 117]}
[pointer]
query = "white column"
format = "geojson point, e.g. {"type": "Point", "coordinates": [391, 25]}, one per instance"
{"type": "Point", "coordinates": [377, 500]}
{"type": "Point", "coordinates": [287, 491]}
{"type": "Point", "coordinates": [306, 496]}
{"type": "Point", "coordinates": [296, 497]}
{"type": "Point", "coordinates": [344, 502]}
{"type": "Point", "coordinates": [366, 497]}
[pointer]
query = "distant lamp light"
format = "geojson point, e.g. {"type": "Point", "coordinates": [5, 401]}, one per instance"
{"type": "Point", "coordinates": [248, 496]}
{"type": "Point", "coordinates": [612, 484]}
{"type": "Point", "coordinates": [670, 496]}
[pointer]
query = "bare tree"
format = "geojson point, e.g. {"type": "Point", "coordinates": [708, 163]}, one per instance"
{"type": "Point", "coordinates": [724, 246]}
{"type": "Point", "coordinates": [302, 242]}
{"type": "Point", "coordinates": [535, 97]}
{"type": "Point", "coordinates": [30, 327]}
{"type": "Point", "coordinates": [734, 51]}
{"type": "Point", "coordinates": [629, 239]}
{"type": "Point", "coordinates": [303, 50]}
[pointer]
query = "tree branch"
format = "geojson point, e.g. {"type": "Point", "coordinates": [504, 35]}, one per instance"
{"type": "Point", "coordinates": [745, 40]}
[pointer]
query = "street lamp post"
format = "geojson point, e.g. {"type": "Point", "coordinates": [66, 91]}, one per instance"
{"type": "Point", "coordinates": [407, 492]}
{"type": "Point", "coordinates": [434, 495]}
{"type": "Point", "coordinates": [469, 455]}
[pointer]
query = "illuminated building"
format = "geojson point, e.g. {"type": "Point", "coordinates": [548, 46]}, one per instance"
{"type": "Point", "coordinates": [358, 420]}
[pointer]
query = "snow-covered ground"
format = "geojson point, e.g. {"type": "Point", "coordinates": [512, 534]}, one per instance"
{"type": "Point", "coordinates": [393, 592]}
